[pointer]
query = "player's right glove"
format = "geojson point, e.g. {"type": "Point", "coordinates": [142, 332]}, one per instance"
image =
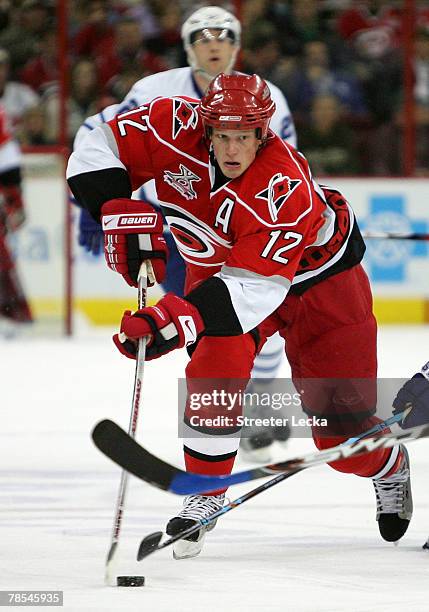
{"type": "Point", "coordinates": [413, 397]}
{"type": "Point", "coordinates": [133, 234]}
{"type": "Point", "coordinates": [172, 323]}
{"type": "Point", "coordinates": [90, 235]}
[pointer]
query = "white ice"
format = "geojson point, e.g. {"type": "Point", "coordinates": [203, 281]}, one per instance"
{"type": "Point", "coordinates": [310, 543]}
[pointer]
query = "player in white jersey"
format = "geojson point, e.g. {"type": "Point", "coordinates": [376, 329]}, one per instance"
{"type": "Point", "coordinates": [211, 37]}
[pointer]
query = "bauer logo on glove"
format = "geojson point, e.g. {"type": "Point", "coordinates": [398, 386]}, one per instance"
{"type": "Point", "coordinates": [129, 223]}
{"type": "Point", "coordinates": [133, 234]}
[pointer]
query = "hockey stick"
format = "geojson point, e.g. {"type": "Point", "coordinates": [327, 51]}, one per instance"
{"type": "Point", "coordinates": [395, 235]}
{"type": "Point", "coordinates": [135, 407]}
{"type": "Point", "coordinates": [152, 542]}
{"type": "Point", "coordinates": [126, 452]}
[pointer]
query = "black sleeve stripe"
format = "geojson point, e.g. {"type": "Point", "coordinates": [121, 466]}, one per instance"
{"type": "Point", "coordinates": [214, 304]}
{"type": "Point", "coordinates": [11, 178]}
{"type": "Point", "coordinates": [204, 457]}
{"type": "Point", "coordinates": [92, 189]}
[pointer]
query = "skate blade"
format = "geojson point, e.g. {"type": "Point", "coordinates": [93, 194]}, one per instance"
{"type": "Point", "coordinates": [184, 549]}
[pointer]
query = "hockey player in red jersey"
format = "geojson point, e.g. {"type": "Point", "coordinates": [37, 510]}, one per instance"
{"type": "Point", "coordinates": [14, 308]}
{"type": "Point", "coordinates": [266, 249]}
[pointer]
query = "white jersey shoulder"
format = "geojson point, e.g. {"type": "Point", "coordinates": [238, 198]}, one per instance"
{"type": "Point", "coordinates": [282, 122]}
{"type": "Point", "coordinates": [175, 82]}
{"type": "Point", "coordinates": [179, 82]}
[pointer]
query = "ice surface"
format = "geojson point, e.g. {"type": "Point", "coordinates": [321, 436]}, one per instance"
{"type": "Point", "coordinates": [309, 544]}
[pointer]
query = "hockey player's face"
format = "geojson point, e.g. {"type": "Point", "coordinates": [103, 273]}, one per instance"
{"type": "Point", "coordinates": [213, 51]}
{"type": "Point", "coordinates": [234, 150]}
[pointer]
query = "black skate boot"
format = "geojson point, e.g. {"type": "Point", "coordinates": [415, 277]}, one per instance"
{"type": "Point", "coordinates": [394, 501]}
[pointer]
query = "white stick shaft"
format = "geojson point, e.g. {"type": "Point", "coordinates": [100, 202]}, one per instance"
{"type": "Point", "coordinates": [132, 427]}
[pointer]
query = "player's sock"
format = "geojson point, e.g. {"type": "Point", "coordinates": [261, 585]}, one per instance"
{"type": "Point", "coordinates": [394, 499]}
{"type": "Point", "coordinates": [256, 440]}
{"type": "Point", "coordinates": [195, 508]}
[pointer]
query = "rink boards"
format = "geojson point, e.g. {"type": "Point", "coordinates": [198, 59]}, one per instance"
{"type": "Point", "coordinates": [398, 270]}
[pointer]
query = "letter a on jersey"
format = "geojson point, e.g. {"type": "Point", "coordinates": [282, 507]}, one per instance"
{"type": "Point", "coordinates": [185, 116]}
{"type": "Point", "coordinates": [279, 189]}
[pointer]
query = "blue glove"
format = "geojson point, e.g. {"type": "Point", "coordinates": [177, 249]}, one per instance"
{"type": "Point", "coordinates": [413, 397]}
{"type": "Point", "coordinates": [90, 236]}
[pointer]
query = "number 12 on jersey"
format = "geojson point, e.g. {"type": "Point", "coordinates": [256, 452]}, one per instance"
{"type": "Point", "coordinates": [274, 249]}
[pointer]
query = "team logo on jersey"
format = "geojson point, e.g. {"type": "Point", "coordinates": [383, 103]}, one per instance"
{"type": "Point", "coordinates": [279, 189]}
{"type": "Point", "coordinates": [182, 181]}
{"type": "Point", "coordinates": [185, 116]}
{"type": "Point", "coordinates": [197, 242]}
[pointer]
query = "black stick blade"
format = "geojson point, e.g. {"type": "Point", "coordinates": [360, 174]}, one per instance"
{"type": "Point", "coordinates": [115, 443]}
{"type": "Point", "coordinates": [148, 544]}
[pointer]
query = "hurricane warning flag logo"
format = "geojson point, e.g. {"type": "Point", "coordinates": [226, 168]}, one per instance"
{"type": "Point", "coordinates": [185, 116]}
{"type": "Point", "coordinates": [182, 181]}
{"type": "Point", "coordinates": [279, 189]}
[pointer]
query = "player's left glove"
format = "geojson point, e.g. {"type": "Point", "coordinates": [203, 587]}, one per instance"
{"type": "Point", "coordinates": [413, 397]}
{"type": "Point", "coordinates": [12, 207]}
{"type": "Point", "coordinates": [172, 323]}
{"type": "Point", "coordinates": [90, 235]}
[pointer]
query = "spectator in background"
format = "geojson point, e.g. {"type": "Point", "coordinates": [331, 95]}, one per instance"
{"type": "Point", "coordinates": [262, 51]}
{"type": "Point", "coordinates": [327, 142]}
{"type": "Point", "coordinates": [144, 14]}
{"type": "Point", "coordinates": [303, 22]}
{"type": "Point", "coordinates": [421, 100]}
{"type": "Point", "coordinates": [128, 49]}
{"type": "Point", "coordinates": [41, 72]}
{"type": "Point", "coordinates": [371, 29]}
{"type": "Point", "coordinates": [33, 129]}
{"type": "Point", "coordinates": [314, 76]}
{"type": "Point", "coordinates": [22, 37]}
{"type": "Point", "coordinates": [119, 86]}
{"type": "Point", "coordinates": [96, 37]}
{"type": "Point", "coordinates": [5, 14]}
{"type": "Point", "coordinates": [16, 98]}
{"type": "Point", "coordinates": [168, 44]}
{"type": "Point", "coordinates": [84, 100]}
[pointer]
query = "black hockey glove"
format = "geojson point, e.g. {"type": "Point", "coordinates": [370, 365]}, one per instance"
{"type": "Point", "coordinates": [413, 397]}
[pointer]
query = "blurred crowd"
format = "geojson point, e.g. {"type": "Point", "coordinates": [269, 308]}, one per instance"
{"type": "Point", "coordinates": [338, 62]}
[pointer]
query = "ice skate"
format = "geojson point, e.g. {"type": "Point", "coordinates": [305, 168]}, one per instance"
{"type": "Point", "coordinates": [394, 501]}
{"type": "Point", "coordinates": [195, 509]}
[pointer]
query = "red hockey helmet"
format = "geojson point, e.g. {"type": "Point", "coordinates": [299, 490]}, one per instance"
{"type": "Point", "coordinates": [237, 102]}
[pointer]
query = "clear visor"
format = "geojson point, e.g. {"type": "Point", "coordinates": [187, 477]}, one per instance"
{"type": "Point", "coordinates": [203, 37]}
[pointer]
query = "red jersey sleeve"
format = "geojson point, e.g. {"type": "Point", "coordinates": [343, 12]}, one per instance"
{"type": "Point", "coordinates": [135, 144]}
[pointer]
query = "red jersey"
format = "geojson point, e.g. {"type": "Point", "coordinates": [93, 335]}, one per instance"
{"type": "Point", "coordinates": [260, 222]}
{"type": "Point", "coordinates": [244, 240]}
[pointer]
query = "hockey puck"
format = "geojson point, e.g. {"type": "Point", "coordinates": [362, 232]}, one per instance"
{"type": "Point", "coordinates": [130, 581]}
{"type": "Point", "coordinates": [426, 545]}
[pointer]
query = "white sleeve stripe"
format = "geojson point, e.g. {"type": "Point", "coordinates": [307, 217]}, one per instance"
{"type": "Point", "coordinates": [96, 152]}
{"type": "Point", "coordinates": [111, 141]}
{"type": "Point", "coordinates": [10, 156]}
{"type": "Point", "coordinates": [253, 299]}
{"type": "Point", "coordinates": [241, 273]}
